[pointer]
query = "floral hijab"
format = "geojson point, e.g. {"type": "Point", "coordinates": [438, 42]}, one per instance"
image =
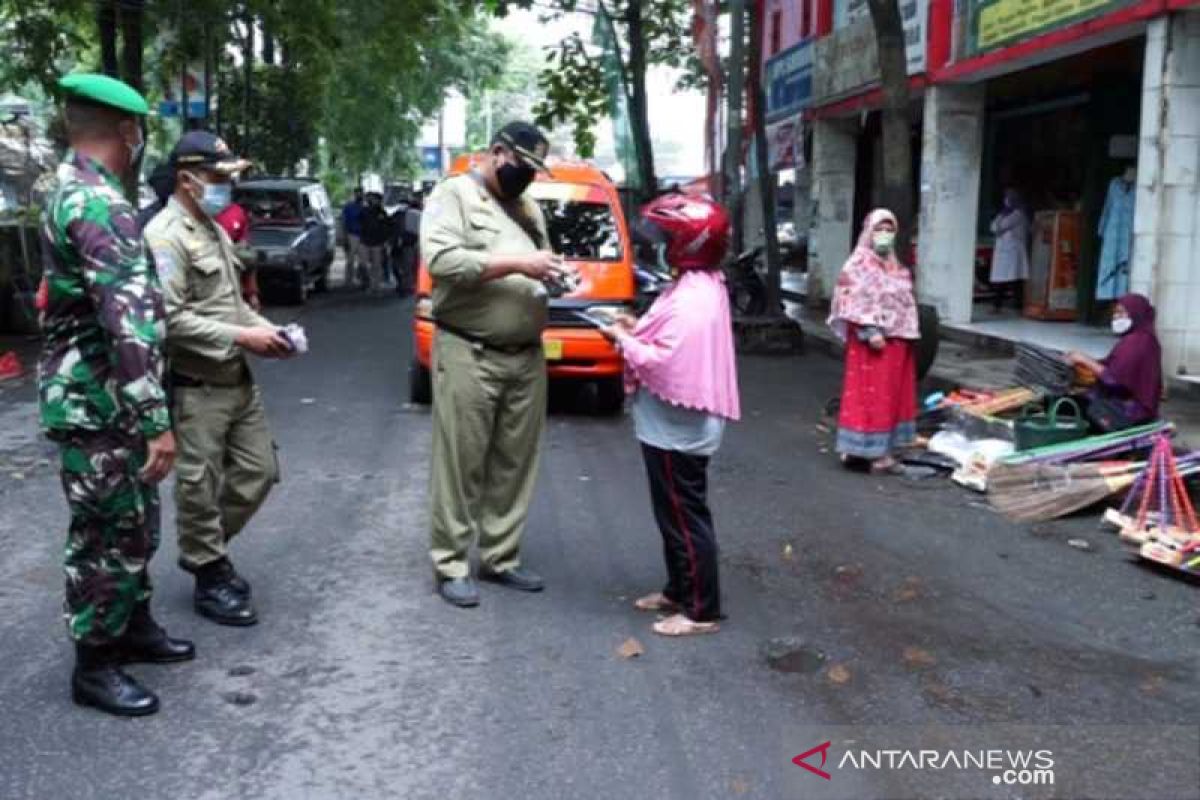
{"type": "Point", "coordinates": [873, 290]}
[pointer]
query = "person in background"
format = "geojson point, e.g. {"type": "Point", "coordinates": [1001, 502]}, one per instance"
{"type": "Point", "coordinates": [236, 223]}
{"type": "Point", "coordinates": [376, 230]}
{"type": "Point", "coordinates": [1010, 258]}
{"type": "Point", "coordinates": [1128, 386]}
{"type": "Point", "coordinates": [410, 225]}
{"type": "Point", "coordinates": [352, 224]}
{"type": "Point", "coordinates": [875, 313]}
{"type": "Point", "coordinates": [162, 181]}
{"type": "Point", "coordinates": [680, 364]}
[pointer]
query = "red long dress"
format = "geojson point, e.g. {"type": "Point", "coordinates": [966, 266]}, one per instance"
{"type": "Point", "coordinates": [879, 398]}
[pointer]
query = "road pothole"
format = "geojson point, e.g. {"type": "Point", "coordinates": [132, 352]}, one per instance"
{"type": "Point", "coordinates": [792, 656]}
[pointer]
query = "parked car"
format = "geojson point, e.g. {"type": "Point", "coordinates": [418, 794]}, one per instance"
{"type": "Point", "coordinates": [293, 232]}
{"type": "Point", "coordinates": [587, 227]}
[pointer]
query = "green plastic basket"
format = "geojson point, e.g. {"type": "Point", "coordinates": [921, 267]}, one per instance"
{"type": "Point", "coordinates": [1044, 429]}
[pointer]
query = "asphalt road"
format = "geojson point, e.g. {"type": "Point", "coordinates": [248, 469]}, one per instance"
{"type": "Point", "coordinates": [900, 603]}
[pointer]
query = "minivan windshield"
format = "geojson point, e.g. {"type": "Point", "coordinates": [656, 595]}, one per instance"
{"type": "Point", "coordinates": [582, 230]}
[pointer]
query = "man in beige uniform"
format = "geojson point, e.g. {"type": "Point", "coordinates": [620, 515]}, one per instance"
{"type": "Point", "coordinates": [226, 462]}
{"type": "Point", "coordinates": [485, 247]}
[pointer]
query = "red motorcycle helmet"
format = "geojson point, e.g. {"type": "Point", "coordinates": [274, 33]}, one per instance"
{"type": "Point", "coordinates": [694, 231]}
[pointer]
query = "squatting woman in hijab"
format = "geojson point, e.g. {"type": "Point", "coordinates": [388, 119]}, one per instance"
{"type": "Point", "coordinates": [875, 314]}
{"type": "Point", "coordinates": [1129, 380]}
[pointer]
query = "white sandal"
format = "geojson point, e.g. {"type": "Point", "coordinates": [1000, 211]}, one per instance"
{"type": "Point", "coordinates": [679, 625]}
{"type": "Point", "coordinates": [656, 601]}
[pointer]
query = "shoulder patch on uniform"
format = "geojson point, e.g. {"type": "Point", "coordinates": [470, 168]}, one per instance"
{"type": "Point", "coordinates": [165, 260]}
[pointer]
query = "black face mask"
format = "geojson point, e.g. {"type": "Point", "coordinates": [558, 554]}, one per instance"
{"type": "Point", "coordinates": [514, 180]}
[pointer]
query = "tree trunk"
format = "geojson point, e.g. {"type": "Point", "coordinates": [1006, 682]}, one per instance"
{"type": "Point", "coordinates": [248, 66]}
{"type": "Point", "coordinates": [106, 25]}
{"type": "Point", "coordinates": [268, 44]}
{"type": "Point", "coordinates": [132, 13]}
{"type": "Point", "coordinates": [897, 127]}
{"type": "Point", "coordinates": [766, 178]}
{"type": "Point", "coordinates": [639, 119]}
{"type": "Point", "coordinates": [733, 137]}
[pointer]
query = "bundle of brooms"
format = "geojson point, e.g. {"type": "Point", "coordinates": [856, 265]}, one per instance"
{"type": "Point", "coordinates": [1165, 529]}
{"type": "Point", "coordinates": [1051, 482]}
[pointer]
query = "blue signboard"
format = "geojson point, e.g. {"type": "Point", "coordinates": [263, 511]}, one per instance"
{"type": "Point", "coordinates": [788, 79]}
{"type": "Point", "coordinates": [431, 158]}
{"type": "Point", "coordinates": [170, 108]}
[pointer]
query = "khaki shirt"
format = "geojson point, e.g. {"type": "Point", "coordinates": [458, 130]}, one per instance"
{"type": "Point", "coordinates": [201, 279]}
{"type": "Point", "coordinates": [462, 225]}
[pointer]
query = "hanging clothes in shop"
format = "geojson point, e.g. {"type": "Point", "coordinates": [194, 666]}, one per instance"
{"type": "Point", "coordinates": [1116, 233]}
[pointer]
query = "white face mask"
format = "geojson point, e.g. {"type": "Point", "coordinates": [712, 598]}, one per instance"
{"type": "Point", "coordinates": [883, 241]}
{"type": "Point", "coordinates": [1122, 325]}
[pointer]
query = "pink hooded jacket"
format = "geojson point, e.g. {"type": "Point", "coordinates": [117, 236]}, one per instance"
{"type": "Point", "coordinates": [682, 349]}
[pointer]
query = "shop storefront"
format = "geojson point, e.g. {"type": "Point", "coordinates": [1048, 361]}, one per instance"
{"type": "Point", "coordinates": [848, 163]}
{"type": "Point", "coordinates": [1090, 111]}
{"type": "Point", "coordinates": [787, 73]}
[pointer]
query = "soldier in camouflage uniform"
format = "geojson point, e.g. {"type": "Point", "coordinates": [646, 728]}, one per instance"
{"type": "Point", "coordinates": [102, 399]}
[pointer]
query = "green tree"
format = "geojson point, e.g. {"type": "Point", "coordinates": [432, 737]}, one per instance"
{"type": "Point", "coordinates": [511, 95]}
{"type": "Point", "coordinates": [346, 83]}
{"type": "Point", "coordinates": [575, 80]}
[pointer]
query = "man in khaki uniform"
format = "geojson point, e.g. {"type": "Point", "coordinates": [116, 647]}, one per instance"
{"type": "Point", "coordinates": [485, 247]}
{"type": "Point", "coordinates": [226, 462]}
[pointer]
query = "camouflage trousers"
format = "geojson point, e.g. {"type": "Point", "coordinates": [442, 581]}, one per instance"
{"type": "Point", "coordinates": [113, 535]}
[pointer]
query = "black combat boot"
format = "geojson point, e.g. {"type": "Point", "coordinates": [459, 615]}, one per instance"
{"type": "Point", "coordinates": [218, 598]}
{"type": "Point", "coordinates": [146, 641]}
{"type": "Point", "coordinates": [226, 566]}
{"type": "Point", "coordinates": [98, 681]}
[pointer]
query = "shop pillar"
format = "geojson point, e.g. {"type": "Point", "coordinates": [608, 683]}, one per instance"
{"type": "Point", "coordinates": [834, 157]}
{"type": "Point", "coordinates": [1167, 214]}
{"type": "Point", "coordinates": [951, 159]}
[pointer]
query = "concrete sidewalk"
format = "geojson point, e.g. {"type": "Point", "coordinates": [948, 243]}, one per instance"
{"type": "Point", "coordinates": [963, 361]}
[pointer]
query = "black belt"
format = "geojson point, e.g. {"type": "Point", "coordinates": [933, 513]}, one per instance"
{"type": "Point", "coordinates": [508, 350]}
{"type": "Point", "coordinates": [179, 380]}
{"type": "Point", "coordinates": [185, 381]}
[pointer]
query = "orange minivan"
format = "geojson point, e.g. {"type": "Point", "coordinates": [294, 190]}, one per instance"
{"type": "Point", "coordinates": [588, 228]}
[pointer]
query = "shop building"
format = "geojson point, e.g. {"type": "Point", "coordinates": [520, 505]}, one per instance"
{"type": "Point", "coordinates": [1090, 110]}
{"type": "Point", "coordinates": [789, 29]}
{"type": "Point", "coordinates": [847, 147]}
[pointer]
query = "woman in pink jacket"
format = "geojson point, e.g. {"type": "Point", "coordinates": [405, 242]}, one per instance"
{"type": "Point", "coordinates": [682, 375]}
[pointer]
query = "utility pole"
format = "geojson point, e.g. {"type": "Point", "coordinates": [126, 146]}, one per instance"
{"type": "Point", "coordinates": [441, 142]}
{"type": "Point", "coordinates": [487, 116]}
{"type": "Point", "coordinates": [733, 139]}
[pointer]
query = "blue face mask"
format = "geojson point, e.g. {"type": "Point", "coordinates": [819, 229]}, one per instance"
{"type": "Point", "coordinates": [216, 197]}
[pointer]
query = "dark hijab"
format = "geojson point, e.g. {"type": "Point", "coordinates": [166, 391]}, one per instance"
{"type": "Point", "coordinates": [1136, 362]}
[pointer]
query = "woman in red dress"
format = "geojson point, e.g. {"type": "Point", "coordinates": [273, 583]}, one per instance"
{"type": "Point", "coordinates": [875, 314]}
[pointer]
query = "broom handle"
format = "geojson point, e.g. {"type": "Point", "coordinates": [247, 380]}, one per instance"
{"type": "Point", "coordinates": [1144, 506]}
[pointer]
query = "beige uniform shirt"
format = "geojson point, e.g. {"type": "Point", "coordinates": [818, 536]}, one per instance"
{"type": "Point", "coordinates": [201, 279]}
{"type": "Point", "coordinates": [462, 225]}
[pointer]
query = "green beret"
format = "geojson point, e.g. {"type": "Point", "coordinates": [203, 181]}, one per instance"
{"type": "Point", "coordinates": [106, 91]}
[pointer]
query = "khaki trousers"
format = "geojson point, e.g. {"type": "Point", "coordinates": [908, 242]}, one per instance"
{"type": "Point", "coordinates": [225, 466]}
{"type": "Point", "coordinates": [489, 410]}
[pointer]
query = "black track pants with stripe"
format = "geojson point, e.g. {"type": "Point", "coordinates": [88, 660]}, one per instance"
{"type": "Point", "coordinates": [679, 492]}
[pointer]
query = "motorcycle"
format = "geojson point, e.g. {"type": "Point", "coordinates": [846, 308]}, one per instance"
{"type": "Point", "coordinates": [747, 290]}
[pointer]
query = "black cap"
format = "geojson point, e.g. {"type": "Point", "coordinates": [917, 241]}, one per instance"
{"type": "Point", "coordinates": [206, 150]}
{"type": "Point", "coordinates": [527, 141]}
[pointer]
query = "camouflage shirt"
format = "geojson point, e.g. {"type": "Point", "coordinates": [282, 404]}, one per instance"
{"type": "Point", "coordinates": [104, 323]}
